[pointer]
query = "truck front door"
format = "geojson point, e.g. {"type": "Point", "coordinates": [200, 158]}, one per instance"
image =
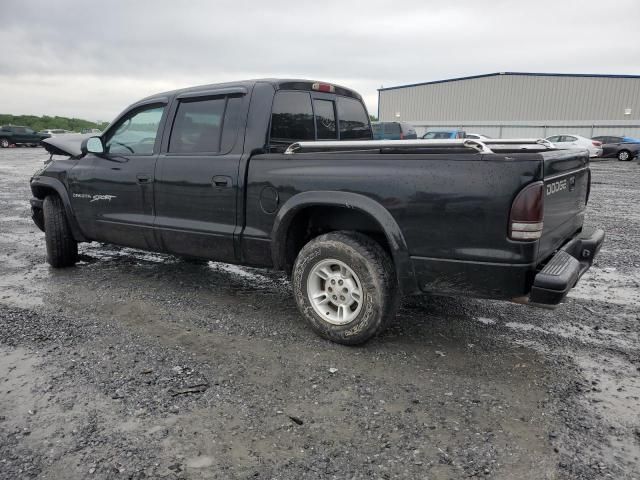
{"type": "Point", "coordinates": [112, 193]}
{"type": "Point", "coordinates": [197, 174]}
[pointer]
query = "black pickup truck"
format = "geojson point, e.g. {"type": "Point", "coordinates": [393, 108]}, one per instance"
{"type": "Point", "coordinates": [284, 174]}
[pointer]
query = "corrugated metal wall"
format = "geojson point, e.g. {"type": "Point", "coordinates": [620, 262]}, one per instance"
{"type": "Point", "coordinates": [520, 105]}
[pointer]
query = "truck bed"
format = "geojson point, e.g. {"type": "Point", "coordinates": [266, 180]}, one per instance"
{"type": "Point", "coordinates": [452, 209]}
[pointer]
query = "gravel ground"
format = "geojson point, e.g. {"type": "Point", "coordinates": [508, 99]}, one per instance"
{"type": "Point", "coordinates": [140, 365]}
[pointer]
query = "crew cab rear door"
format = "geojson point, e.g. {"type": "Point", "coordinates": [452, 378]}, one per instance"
{"type": "Point", "coordinates": [196, 185]}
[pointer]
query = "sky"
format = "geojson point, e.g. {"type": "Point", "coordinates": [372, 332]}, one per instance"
{"type": "Point", "coordinates": [91, 59]}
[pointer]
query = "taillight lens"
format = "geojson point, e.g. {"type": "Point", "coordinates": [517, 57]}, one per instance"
{"type": "Point", "coordinates": [527, 212]}
{"type": "Point", "coordinates": [323, 87]}
{"type": "Point", "coordinates": [401, 136]}
{"type": "Point", "coordinates": [596, 143]}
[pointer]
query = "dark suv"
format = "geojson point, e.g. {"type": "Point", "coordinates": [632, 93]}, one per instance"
{"type": "Point", "coordinates": [393, 131]}
{"type": "Point", "coordinates": [622, 148]}
{"type": "Point", "coordinates": [15, 135]}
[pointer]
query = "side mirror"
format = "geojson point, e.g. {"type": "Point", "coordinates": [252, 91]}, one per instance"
{"type": "Point", "coordinates": [92, 145]}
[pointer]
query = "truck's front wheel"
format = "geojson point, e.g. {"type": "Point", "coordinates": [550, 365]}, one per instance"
{"type": "Point", "coordinates": [62, 249]}
{"type": "Point", "coordinates": [345, 286]}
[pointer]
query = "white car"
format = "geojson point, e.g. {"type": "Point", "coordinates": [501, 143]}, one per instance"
{"type": "Point", "coordinates": [476, 136]}
{"type": "Point", "coordinates": [55, 131]}
{"type": "Point", "coordinates": [567, 141]}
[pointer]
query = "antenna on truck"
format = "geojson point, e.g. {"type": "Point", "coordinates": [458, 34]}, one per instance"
{"type": "Point", "coordinates": [479, 146]}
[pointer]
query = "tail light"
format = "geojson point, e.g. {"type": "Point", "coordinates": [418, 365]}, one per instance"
{"type": "Point", "coordinates": [527, 212]}
{"type": "Point", "coordinates": [323, 87]}
{"type": "Point", "coordinates": [401, 136]}
{"type": "Point", "coordinates": [596, 143]}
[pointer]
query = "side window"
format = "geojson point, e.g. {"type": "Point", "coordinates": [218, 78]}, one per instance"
{"type": "Point", "coordinates": [292, 117]}
{"type": "Point", "coordinates": [136, 133]}
{"type": "Point", "coordinates": [392, 128]}
{"type": "Point", "coordinates": [460, 134]}
{"type": "Point", "coordinates": [20, 130]}
{"type": "Point", "coordinates": [555, 139]}
{"type": "Point", "coordinates": [614, 140]}
{"type": "Point", "coordinates": [568, 138]}
{"type": "Point", "coordinates": [354, 123]}
{"type": "Point", "coordinates": [325, 119]}
{"type": "Point", "coordinates": [198, 126]}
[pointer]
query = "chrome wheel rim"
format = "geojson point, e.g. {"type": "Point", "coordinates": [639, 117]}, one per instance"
{"type": "Point", "coordinates": [623, 155]}
{"type": "Point", "coordinates": [335, 291]}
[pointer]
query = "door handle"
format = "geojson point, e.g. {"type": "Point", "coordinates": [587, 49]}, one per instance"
{"type": "Point", "coordinates": [143, 178]}
{"type": "Point", "coordinates": [221, 181]}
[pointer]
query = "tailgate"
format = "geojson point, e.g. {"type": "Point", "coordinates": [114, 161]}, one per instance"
{"type": "Point", "coordinates": [566, 187]}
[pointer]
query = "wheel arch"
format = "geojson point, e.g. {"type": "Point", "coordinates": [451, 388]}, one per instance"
{"type": "Point", "coordinates": [284, 226]}
{"type": "Point", "coordinates": [44, 186]}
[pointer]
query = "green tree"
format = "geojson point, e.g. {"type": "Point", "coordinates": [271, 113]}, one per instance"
{"type": "Point", "coordinates": [45, 122]}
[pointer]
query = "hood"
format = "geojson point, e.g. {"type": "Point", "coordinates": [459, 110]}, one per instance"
{"type": "Point", "coordinates": [65, 144]}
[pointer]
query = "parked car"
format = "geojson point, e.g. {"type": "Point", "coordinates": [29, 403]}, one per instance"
{"type": "Point", "coordinates": [17, 135]}
{"type": "Point", "coordinates": [566, 141]}
{"type": "Point", "coordinates": [476, 136]}
{"type": "Point", "coordinates": [444, 134]}
{"type": "Point", "coordinates": [622, 148]}
{"type": "Point", "coordinates": [284, 174]}
{"type": "Point", "coordinates": [393, 131]}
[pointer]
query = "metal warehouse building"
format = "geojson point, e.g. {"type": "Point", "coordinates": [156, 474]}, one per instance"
{"type": "Point", "coordinates": [511, 104]}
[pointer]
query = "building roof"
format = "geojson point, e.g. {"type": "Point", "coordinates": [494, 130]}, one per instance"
{"type": "Point", "coordinates": [528, 74]}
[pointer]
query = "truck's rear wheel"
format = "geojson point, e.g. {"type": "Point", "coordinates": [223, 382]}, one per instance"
{"type": "Point", "coordinates": [345, 287]}
{"type": "Point", "coordinates": [4, 143]}
{"type": "Point", "coordinates": [62, 249]}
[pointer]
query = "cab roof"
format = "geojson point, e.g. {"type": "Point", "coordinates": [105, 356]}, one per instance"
{"type": "Point", "coordinates": [277, 83]}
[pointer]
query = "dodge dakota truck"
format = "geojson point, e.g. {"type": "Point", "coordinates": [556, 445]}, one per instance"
{"type": "Point", "coordinates": [284, 174]}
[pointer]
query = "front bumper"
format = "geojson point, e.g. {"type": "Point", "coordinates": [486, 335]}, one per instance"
{"type": "Point", "coordinates": [561, 273]}
{"type": "Point", "coordinates": [36, 213]}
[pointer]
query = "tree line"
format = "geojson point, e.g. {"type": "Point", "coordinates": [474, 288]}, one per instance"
{"type": "Point", "coordinates": [46, 122]}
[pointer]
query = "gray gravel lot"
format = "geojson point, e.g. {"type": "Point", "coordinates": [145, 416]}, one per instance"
{"type": "Point", "coordinates": [139, 365]}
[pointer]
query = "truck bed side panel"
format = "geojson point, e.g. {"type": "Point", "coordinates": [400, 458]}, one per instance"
{"type": "Point", "coordinates": [452, 208]}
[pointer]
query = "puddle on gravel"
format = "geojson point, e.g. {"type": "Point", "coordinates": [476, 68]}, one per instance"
{"type": "Point", "coordinates": [615, 395]}
{"type": "Point", "coordinates": [609, 285]}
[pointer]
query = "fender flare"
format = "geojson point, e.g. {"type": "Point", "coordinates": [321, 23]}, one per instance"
{"type": "Point", "coordinates": [399, 250]}
{"type": "Point", "coordinates": [57, 186]}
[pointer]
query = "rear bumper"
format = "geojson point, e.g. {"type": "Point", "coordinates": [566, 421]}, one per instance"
{"type": "Point", "coordinates": [561, 273]}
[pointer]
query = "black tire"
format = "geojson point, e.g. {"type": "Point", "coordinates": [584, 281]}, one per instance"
{"type": "Point", "coordinates": [624, 156]}
{"type": "Point", "coordinates": [62, 249]}
{"type": "Point", "coordinates": [374, 270]}
{"type": "Point", "coordinates": [4, 143]}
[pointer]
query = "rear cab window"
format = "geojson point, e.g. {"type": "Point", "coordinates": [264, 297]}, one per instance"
{"type": "Point", "coordinates": [304, 116]}
{"type": "Point", "coordinates": [353, 118]}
